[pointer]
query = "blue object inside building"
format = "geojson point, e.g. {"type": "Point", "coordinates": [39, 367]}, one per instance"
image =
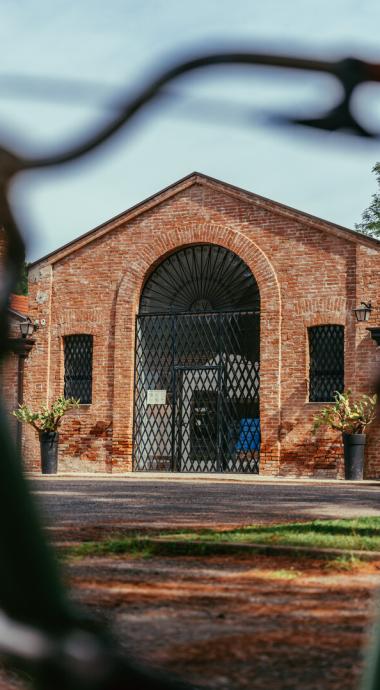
{"type": "Point", "coordinates": [249, 434]}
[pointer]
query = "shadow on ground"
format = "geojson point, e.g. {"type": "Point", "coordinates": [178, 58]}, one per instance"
{"type": "Point", "coordinates": [235, 622]}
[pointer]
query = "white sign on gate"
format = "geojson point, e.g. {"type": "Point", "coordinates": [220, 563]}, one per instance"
{"type": "Point", "coordinates": [156, 397]}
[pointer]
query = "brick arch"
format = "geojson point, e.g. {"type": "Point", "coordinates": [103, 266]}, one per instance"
{"type": "Point", "coordinates": [333, 318]}
{"type": "Point", "coordinates": [151, 253]}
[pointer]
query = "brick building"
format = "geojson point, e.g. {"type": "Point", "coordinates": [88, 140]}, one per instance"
{"type": "Point", "coordinates": [202, 329]}
{"type": "Point", "coordinates": [12, 368]}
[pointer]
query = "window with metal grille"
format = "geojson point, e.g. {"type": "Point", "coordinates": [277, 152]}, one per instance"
{"type": "Point", "coordinates": [78, 367]}
{"type": "Point", "coordinates": [326, 373]}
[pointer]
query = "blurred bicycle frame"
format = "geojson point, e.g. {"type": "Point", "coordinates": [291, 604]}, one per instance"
{"type": "Point", "coordinates": [41, 632]}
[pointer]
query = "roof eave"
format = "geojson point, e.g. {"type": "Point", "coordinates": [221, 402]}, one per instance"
{"type": "Point", "coordinates": [21, 317]}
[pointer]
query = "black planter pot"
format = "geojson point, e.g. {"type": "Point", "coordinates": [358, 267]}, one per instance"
{"type": "Point", "coordinates": [353, 445]}
{"type": "Point", "coordinates": [49, 452]}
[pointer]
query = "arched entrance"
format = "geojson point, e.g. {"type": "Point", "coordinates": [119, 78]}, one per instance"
{"type": "Point", "coordinates": [196, 403]}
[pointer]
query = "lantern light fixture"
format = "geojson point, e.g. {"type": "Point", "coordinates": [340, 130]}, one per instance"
{"type": "Point", "coordinates": [27, 328]}
{"type": "Point", "coordinates": [363, 312]}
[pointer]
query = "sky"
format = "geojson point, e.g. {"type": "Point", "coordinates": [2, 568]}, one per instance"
{"type": "Point", "coordinates": [214, 122]}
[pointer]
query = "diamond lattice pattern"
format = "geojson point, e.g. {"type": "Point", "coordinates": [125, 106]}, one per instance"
{"type": "Point", "coordinates": [78, 367]}
{"type": "Point", "coordinates": [208, 367]}
{"type": "Point", "coordinates": [326, 374]}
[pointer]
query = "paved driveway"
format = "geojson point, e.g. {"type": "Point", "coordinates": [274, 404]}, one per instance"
{"type": "Point", "coordinates": [175, 503]}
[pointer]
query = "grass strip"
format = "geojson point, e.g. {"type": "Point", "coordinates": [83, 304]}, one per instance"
{"type": "Point", "coordinates": [349, 534]}
{"type": "Point", "coordinates": [145, 547]}
{"type": "Point", "coordinates": [360, 534]}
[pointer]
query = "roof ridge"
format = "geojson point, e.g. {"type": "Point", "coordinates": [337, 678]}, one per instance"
{"type": "Point", "coordinates": [196, 176]}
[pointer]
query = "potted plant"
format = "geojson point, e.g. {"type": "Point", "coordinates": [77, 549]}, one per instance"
{"type": "Point", "coordinates": [351, 417]}
{"type": "Point", "coordinates": [46, 422]}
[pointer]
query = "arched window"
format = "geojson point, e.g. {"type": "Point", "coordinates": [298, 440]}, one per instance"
{"type": "Point", "coordinates": [78, 367]}
{"type": "Point", "coordinates": [326, 362]}
{"type": "Point", "coordinates": [197, 365]}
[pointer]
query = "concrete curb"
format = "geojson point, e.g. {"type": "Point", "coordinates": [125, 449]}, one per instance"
{"type": "Point", "coordinates": [195, 477]}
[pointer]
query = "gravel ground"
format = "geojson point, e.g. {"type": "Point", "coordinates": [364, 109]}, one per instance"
{"type": "Point", "coordinates": [168, 503]}
{"type": "Point", "coordinates": [236, 623]}
{"type": "Point", "coordinates": [233, 623]}
{"type": "Point", "coordinates": [226, 623]}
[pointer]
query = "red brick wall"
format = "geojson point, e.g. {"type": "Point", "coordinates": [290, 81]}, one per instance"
{"type": "Point", "coordinates": [3, 251]}
{"type": "Point", "coordinates": [9, 368]}
{"type": "Point", "coordinates": [367, 355]}
{"type": "Point", "coordinates": [8, 387]}
{"type": "Point", "coordinates": [306, 275]}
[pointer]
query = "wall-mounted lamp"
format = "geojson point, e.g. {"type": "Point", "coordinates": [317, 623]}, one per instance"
{"type": "Point", "coordinates": [363, 312]}
{"type": "Point", "coordinates": [27, 328]}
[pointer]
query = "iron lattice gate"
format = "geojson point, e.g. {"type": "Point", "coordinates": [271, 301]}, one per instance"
{"type": "Point", "coordinates": [197, 393]}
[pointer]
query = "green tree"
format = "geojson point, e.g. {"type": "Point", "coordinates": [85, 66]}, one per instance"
{"type": "Point", "coordinates": [370, 222]}
{"type": "Point", "coordinates": [22, 283]}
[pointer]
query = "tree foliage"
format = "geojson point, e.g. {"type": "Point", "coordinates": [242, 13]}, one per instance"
{"type": "Point", "coordinates": [370, 222]}
{"type": "Point", "coordinates": [22, 283]}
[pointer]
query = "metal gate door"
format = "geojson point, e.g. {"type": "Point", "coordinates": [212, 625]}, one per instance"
{"type": "Point", "coordinates": [197, 393]}
{"type": "Point", "coordinates": [197, 419]}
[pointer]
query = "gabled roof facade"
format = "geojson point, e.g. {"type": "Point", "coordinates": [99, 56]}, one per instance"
{"type": "Point", "coordinates": [192, 250]}
{"type": "Point", "coordinates": [197, 178]}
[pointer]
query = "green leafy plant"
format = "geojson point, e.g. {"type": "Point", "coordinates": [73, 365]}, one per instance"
{"type": "Point", "coordinates": [346, 414]}
{"type": "Point", "coordinates": [46, 419]}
